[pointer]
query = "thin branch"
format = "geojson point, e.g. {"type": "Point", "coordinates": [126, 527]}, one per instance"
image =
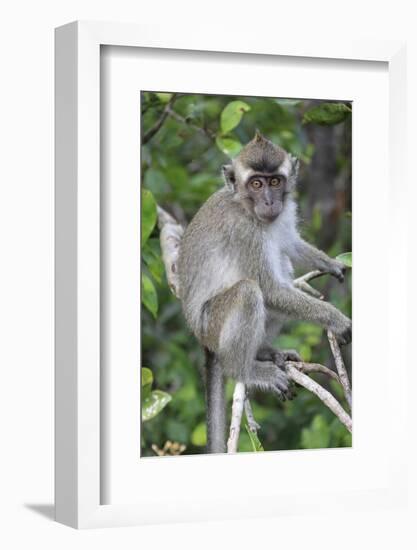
{"type": "Point", "coordinates": [341, 369]}
{"type": "Point", "coordinates": [308, 289]}
{"type": "Point", "coordinates": [170, 238]}
{"type": "Point", "coordinates": [315, 367]}
{"type": "Point", "coordinates": [239, 398]}
{"type": "Point", "coordinates": [327, 398]}
{"type": "Point", "coordinates": [253, 425]}
{"type": "Point", "coordinates": [155, 128]}
{"type": "Point", "coordinates": [310, 276]}
{"type": "Point", "coordinates": [302, 283]}
{"type": "Point", "coordinates": [179, 118]}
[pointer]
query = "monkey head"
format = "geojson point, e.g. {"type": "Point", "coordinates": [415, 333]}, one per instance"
{"type": "Point", "coordinates": [262, 177]}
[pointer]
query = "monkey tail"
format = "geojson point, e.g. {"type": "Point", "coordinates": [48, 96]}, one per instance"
{"type": "Point", "coordinates": [215, 405]}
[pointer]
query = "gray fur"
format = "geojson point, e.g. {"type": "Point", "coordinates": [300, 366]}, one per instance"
{"type": "Point", "coordinates": [236, 272]}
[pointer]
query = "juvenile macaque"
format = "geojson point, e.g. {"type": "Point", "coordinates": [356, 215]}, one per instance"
{"type": "Point", "coordinates": [236, 277]}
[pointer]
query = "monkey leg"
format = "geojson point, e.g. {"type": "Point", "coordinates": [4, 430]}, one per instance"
{"type": "Point", "coordinates": [234, 329]}
{"type": "Point", "coordinates": [266, 352]}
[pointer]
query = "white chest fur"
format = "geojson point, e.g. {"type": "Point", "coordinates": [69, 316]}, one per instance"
{"type": "Point", "coordinates": [277, 261]}
{"type": "Point", "coordinates": [278, 238]}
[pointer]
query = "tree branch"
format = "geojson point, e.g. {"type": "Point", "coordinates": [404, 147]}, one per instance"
{"type": "Point", "coordinates": [158, 124]}
{"type": "Point", "coordinates": [239, 398]}
{"type": "Point", "coordinates": [294, 373]}
{"type": "Point", "coordinates": [341, 369]}
{"type": "Point", "coordinates": [253, 425]}
{"type": "Point", "coordinates": [170, 236]}
{"type": "Point", "coordinates": [315, 367]}
{"type": "Point", "coordinates": [179, 118]}
{"type": "Point", "coordinates": [302, 284]}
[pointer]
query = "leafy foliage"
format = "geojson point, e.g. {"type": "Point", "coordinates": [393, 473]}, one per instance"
{"type": "Point", "coordinates": [152, 401]}
{"type": "Point", "coordinates": [228, 146]}
{"type": "Point", "coordinates": [327, 113]}
{"type": "Point", "coordinates": [181, 168]}
{"type": "Point", "coordinates": [148, 212]}
{"type": "Point", "coordinates": [149, 295]}
{"type": "Point", "coordinates": [346, 258]}
{"type": "Point", "coordinates": [254, 439]}
{"type": "Point", "coordinates": [232, 114]}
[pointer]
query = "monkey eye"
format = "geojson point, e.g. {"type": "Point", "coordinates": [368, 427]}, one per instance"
{"type": "Point", "coordinates": [275, 182]}
{"type": "Point", "coordinates": [256, 184]}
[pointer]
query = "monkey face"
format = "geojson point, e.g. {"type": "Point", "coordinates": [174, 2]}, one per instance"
{"type": "Point", "coordinates": [261, 177]}
{"type": "Point", "coordinates": [267, 194]}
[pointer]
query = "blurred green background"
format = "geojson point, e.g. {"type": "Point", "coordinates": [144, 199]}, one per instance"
{"type": "Point", "coordinates": [186, 139]}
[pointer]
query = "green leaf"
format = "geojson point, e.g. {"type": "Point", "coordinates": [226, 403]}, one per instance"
{"type": "Point", "coordinates": [148, 215]}
{"type": "Point", "coordinates": [149, 296]}
{"type": "Point", "coordinates": [254, 439]}
{"type": "Point", "coordinates": [163, 97]}
{"type": "Point", "coordinates": [154, 403]}
{"type": "Point", "coordinates": [317, 436]}
{"type": "Point", "coordinates": [229, 146]}
{"type": "Point", "coordinates": [146, 381]}
{"type": "Point", "coordinates": [199, 435]}
{"type": "Point", "coordinates": [345, 258]}
{"type": "Point", "coordinates": [327, 114]}
{"type": "Point", "coordinates": [232, 114]}
{"type": "Point", "coordinates": [146, 376]}
{"type": "Point", "coordinates": [153, 260]}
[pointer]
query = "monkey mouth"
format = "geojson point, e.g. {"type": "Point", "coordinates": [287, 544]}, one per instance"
{"type": "Point", "coordinates": [268, 215]}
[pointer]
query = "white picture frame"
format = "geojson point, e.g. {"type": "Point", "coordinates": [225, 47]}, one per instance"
{"type": "Point", "coordinates": [78, 405]}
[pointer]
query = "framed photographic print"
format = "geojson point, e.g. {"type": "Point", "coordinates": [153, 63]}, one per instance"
{"type": "Point", "coordinates": [209, 197]}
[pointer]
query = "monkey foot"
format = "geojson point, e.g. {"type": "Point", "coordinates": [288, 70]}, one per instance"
{"type": "Point", "coordinates": [277, 356]}
{"type": "Point", "coordinates": [270, 377]}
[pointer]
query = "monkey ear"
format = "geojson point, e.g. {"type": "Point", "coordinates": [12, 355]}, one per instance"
{"type": "Point", "coordinates": [258, 137]}
{"type": "Point", "coordinates": [229, 176]}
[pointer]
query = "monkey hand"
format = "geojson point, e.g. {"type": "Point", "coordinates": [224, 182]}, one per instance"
{"type": "Point", "coordinates": [337, 269]}
{"type": "Point", "coordinates": [341, 327]}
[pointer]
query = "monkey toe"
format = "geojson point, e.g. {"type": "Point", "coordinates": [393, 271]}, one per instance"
{"type": "Point", "coordinates": [279, 358]}
{"type": "Point", "coordinates": [282, 386]}
{"type": "Point", "coordinates": [265, 354]}
{"type": "Point", "coordinates": [273, 355]}
{"type": "Point", "coordinates": [292, 355]}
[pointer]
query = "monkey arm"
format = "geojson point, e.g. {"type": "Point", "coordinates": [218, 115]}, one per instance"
{"type": "Point", "coordinates": [300, 306]}
{"type": "Point", "coordinates": [306, 255]}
